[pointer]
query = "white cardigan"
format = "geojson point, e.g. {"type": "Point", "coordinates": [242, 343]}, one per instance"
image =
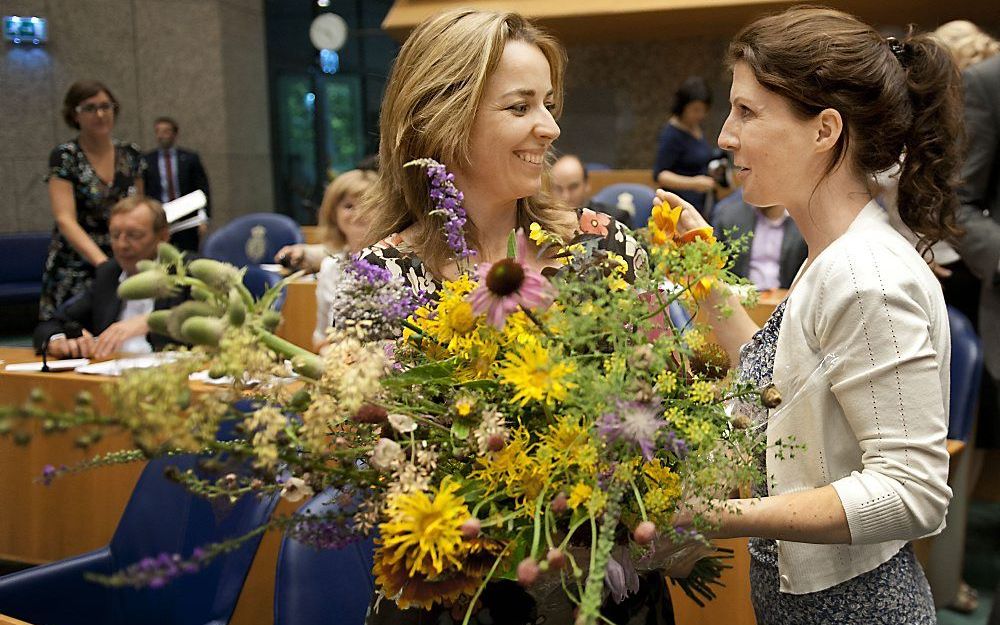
{"type": "Point", "coordinates": [873, 419]}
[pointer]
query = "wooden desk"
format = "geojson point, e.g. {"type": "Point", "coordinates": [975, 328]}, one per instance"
{"type": "Point", "coordinates": [80, 512]}
{"type": "Point", "coordinates": [298, 314]}
{"type": "Point", "coordinates": [7, 620]}
{"type": "Point", "coordinates": [606, 177]}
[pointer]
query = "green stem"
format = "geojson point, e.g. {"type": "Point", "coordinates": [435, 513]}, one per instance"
{"type": "Point", "coordinates": [486, 580]}
{"type": "Point", "coordinates": [638, 500]}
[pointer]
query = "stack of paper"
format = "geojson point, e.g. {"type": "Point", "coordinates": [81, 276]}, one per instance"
{"type": "Point", "coordinates": [178, 210]}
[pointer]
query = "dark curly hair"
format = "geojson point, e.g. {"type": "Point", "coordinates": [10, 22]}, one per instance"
{"type": "Point", "coordinates": [898, 100]}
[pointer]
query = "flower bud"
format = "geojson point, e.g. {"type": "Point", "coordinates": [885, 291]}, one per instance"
{"type": "Point", "coordinates": [237, 309]}
{"type": "Point", "coordinates": [213, 273]}
{"type": "Point", "coordinates": [153, 284]}
{"type": "Point", "coordinates": [644, 533]}
{"type": "Point", "coordinates": [203, 330]}
{"type": "Point", "coordinates": [471, 527]}
{"type": "Point", "coordinates": [404, 424]}
{"type": "Point", "coordinates": [270, 320]}
{"type": "Point", "coordinates": [146, 265]}
{"type": "Point", "coordinates": [168, 254]}
{"type": "Point", "coordinates": [386, 454]}
{"type": "Point", "coordinates": [740, 421]}
{"type": "Point", "coordinates": [180, 313]}
{"type": "Point", "coordinates": [556, 558]}
{"type": "Point", "coordinates": [559, 503]}
{"type": "Point", "coordinates": [770, 397]}
{"type": "Point", "coordinates": [308, 366]}
{"type": "Point", "coordinates": [495, 442]}
{"type": "Point", "coordinates": [157, 322]}
{"type": "Point", "coordinates": [370, 413]}
{"type": "Point", "coordinates": [527, 572]}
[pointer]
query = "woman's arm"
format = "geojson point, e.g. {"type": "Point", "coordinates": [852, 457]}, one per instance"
{"type": "Point", "coordinates": [64, 211]}
{"type": "Point", "coordinates": [725, 314]}
{"type": "Point", "coordinates": [811, 516]}
{"type": "Point", "coordinates": [669, 180]}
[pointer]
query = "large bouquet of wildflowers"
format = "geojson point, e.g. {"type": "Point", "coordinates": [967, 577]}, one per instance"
{"type": "Point", "coordinates": [543, 428]}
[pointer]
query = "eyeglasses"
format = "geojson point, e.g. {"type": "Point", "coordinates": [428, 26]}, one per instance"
{"type": "Point", "coordinates": [104, 107]}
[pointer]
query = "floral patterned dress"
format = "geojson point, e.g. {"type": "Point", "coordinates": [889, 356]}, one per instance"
{"type": "Point", "coordinates": [66, 272]}
{"type": "Point", "coordinates": [894, 593]}
{"type": "Point", "coordinates": [396, 255]}
{"type": "Point", "coordinates": [504, 602]}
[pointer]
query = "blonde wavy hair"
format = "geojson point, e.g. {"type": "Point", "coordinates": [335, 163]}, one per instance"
{"type": "Point", "coordinates": [967, 44]}
{"type": "Point", "coordinates": [354, 182]}
{"type": "Point", "coordinates": [430, 104]}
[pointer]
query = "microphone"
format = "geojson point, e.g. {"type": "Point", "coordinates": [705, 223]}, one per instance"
{"type": "Point", "coordinates": [72, 330]}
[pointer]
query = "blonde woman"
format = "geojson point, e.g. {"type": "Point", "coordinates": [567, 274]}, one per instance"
{"type": "Point", "coordinates": [480, 91]}
{"type": "Point", "coordinates": [967, 44]}
{"type": "Point", "coordinates": [343, 227]}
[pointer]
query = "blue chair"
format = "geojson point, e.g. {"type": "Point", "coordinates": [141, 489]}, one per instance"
{"type": "Point", "coordinates": [314, 587]}
{"type": "Point", "coordinates": [258, 280]}
{"type": "Point", "coordinates": [679, 315]}
{"type": "Point", "coordinates": [252, 239]}
{"type": "Point", "coordinates": [966, 374]}
{"type": "Point", "coordinates": [597, 167]}
{"type": "Point", "coordinates": [639, 204]}
{"type": "Point", "coordinates": [161, 516]}
{"type": "Point", "coordinates": [22, 259]}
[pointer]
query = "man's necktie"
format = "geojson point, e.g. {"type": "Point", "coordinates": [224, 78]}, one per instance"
{"type": "Point", "coordinates": [171, 190]}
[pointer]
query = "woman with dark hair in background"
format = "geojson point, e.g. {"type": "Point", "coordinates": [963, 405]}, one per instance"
{"type": "Point", "coordinates": [683, 154]}
{"type": "Point", "coordinates": [860, 349]}
{"type": "Point", "coordinates": [87, 176]}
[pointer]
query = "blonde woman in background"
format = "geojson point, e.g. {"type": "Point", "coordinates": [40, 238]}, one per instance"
{"type": "Point", "coordinates": [966, 42]}
{"type": "Point", "coordinates": [343, 227]}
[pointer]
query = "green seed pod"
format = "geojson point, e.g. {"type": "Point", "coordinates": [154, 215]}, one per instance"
{"type": "Point", "coordinates": [168, 254]}
{"type": "Point", "coordinates": [308, 365]}
{"type": "Point", "coordinates": [200, 293]}
{"type": "Point", "coordinates": [299, 401]}
{"type": "Point", "coordinates": [5, 427]}
{"type": "Point", "coordinates": [84, 399]}
{"type": "Point", "coordinates": [82, 442]}
{"type": "Point", "coordinates": [36, 396]}
{"type": "Point", "coordinates": [22, 438]}
{"type": "Point", "coordinates": [203, 330]}
{"type": "Point", "coordinates": [237, 310]}
{"type": "Point", "coordinates": [157, 322]}
{"type": "Point", "coordinates": [213, 273]}
{"type": "Point", "coordinates": [154, 284]}
{"type": "Point", "coordinates": [180, 313]}
{"type": "Point", "coordinates": [184, 399]}
{"type": "Point", "coordinates": [216, 372]}
{"type": "Point", "coordinates": [270, 319]}
{"type": "Point", "coordinates": [146, 265]}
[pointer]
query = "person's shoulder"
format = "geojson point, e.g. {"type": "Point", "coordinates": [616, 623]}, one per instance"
{"type": "Point", "coordinates": [391, 252]}
{"type": "Point", "coordinates": [985, 70]}
{"type": "Point", "coordinates": [132, 149]}
{"type": "Point", "coordinates": [71, 148]}
{"type": "Point", "coordinates": [107, 271]}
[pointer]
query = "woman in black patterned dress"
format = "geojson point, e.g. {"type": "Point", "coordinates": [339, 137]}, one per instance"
{"type": "Point", "coordinates": [86, 177]}
{"type": "Point", "coordinates": [479, 91]}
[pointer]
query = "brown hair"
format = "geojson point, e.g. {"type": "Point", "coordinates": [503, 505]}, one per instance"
{"type": "Point", "coordinates": [163, 119]}
{"type": "Point", "coordinates": [354, 182]}
{"type": "Point", "coordinates": [430, 103]}
{"type": "Point", "coordinates": [133, 202]}
{"type": "Point", "coordinates": [895, 98]}
{"type": "Point", "coordinates": [80, 91]}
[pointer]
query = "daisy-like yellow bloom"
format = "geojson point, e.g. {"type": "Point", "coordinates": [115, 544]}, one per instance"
{"type": "Point", "coordinates": [450, 321]}
{"type": "Point", "coordinates": [535, 376]}
{"type": "Point", "coordinates": [663, 223]}
{"type": "Point", "coordinates": [666, 381]}
{"type": "Point", "coordinates": [580, 495]}
{"type": "Point", "coordinates": [702, 392]}
{"type": "Point", "coordinates": [567, 444]}
{"type": "Point", "coordinates": [424, 532]}
{"type": "Point", "coordinates": [616, 279]}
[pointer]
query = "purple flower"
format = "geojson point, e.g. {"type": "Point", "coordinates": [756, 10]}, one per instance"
{"type": "Point", "coordinates": [49, 473]}
{"type": "Point", "coordinates": [507, 285]}
{"type": "Point", "coordinates": [635, 422]}
{"type": "Point", "coordinates": [447, 203]}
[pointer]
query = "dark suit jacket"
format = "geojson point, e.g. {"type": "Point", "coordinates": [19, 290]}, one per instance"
{"type": "Point", "coordinates": [979, 213]}
{"type": "Point", "coordinates": [97, 308]}
{"type": "Point", "coordinates": [190, 177]}
{"type": "Point", "coordinates": [734, 218]}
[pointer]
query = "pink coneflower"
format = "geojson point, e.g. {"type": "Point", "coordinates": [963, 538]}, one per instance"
{"type": "Point", "coordinates": [507, 285]}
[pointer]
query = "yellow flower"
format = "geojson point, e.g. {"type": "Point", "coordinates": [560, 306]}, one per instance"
{"type": "Point", "coordinates": [695, 339]}
{"type": "Point", "coordinates": [567, 443]}
{"type": "Point", "coordinates": [464, 406]}
{"type": "Point", "coordinates": [541, 236]}
{"type": "Point", "coordinates": [424, 533]}
{"type": "Point", "coordinates": [663, 223]}
{"type": "Point", "coordinates": [535, 377]}
{"type": "Point", "coordinates": [702, 392]}
{"type": "Point", "coordinates": [666, 381]}
{"type": "Point", "coordinates": [579, 495]}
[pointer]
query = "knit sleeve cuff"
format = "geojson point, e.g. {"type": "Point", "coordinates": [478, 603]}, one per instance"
{"type": "Point", "coordinates": [874, 513]}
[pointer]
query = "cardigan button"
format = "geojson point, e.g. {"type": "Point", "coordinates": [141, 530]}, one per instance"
{"type": "Point", "coordinates": [784, 579]}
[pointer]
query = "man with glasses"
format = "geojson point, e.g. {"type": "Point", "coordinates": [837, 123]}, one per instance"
{"type": "Point", "coordinates": [107, 324]}
{"type": "Point", "coordinates": [172, 172]}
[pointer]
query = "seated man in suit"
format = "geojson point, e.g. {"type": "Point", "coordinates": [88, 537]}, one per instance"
{"type": "Point", "coordinates": [570, 185]}
{"type": "Point", "coordinates": [109, 325]}
{"type": "Point", "coordinates": [777, 248]}
{"type": "Point", "coordinates": [172, 172]}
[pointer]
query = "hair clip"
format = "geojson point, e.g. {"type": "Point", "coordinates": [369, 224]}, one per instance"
{"type": "Point", "coordinates": [898, 49]}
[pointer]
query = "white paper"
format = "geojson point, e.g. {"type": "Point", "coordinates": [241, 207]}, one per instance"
{"type": "Point", "coordinates": [120, 365]}
{"type": "Point", "coordinates": [191, 222]}
{"type": "Point", "coordinates": [185, 205]}
{"type": "Point", "coordinates": [54, 365]}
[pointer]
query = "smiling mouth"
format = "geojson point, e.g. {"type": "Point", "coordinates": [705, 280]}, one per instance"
{"type": "Point", "coordinates": [530, 158]}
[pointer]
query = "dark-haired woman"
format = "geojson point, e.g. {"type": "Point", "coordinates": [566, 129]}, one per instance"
{"type": "Point", "coordinates": [683, 155]}
{"type": "Point", "coordinates": [87, 176]}
{"type": "Point", "coordinates": [860, 349]}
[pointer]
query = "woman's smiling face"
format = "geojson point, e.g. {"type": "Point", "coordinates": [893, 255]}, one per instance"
{"type": "Point", "coordinates": [513, 128]}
